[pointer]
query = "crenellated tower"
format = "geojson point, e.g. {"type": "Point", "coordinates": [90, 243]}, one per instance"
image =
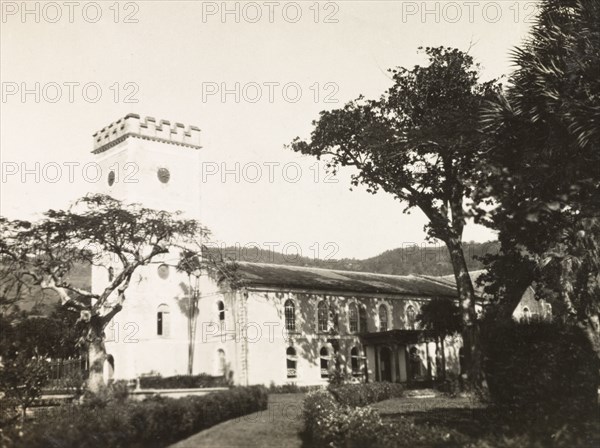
{"type": "Point", "coordinates": [155, 163]}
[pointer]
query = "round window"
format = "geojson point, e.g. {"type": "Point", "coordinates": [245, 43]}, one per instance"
{"type": "Point", "coordinates": [163, 271]}
{"type": "Point", "coordinates": [163, 175]}
{"type": "Point", "coordinates": [111, 178]}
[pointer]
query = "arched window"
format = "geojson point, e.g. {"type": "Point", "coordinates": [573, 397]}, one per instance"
{"type": "Point", "coordinates": [109, 369]}
{"type": "Point", "coordinates": [333, 318]}
{"type": "Point", "coordinates": [383, 318]}
{"type": "Point", "coordinates": [162, 320]}
{"type": "Point", "coordinates": [324, 354]}
{"type": "Point", "coordinates": [323, 316]}
{"type": "Point", "coordinates": [355, 361]}
{"type": "Point", "coordinates": [221, 309]}
{"type": "Point", "coordinates": [290, 315]}
{"type": "Point", "coordinates": [363, 319]}
{"type": "Point", "coordinates": [221, 363]}
{"type": "Point", "coordinates": [291, 360]}
{"type": "Point", "coordinates": [411, 317]}
{"type": "Point", "coordinates": [526, 314]}
{"type": "Point", "coordinates": [111, 274]}
{"type": "Point", "coordinates": [353, 318]}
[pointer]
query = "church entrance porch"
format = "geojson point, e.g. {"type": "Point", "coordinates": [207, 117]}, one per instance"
{"type": "Point", "coordinates": [403, 356]}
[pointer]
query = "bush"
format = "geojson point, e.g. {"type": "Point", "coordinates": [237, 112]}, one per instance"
{"type": "Point", "coordinates": [154, 422]}
{"type": "Point", "coordinates": [540, 371]}
{"type": "Point", "coordinates": [319, 413]}
{"type": "Point", "coordinates": [357, 395]}
{"type": "Point", "coordinates": [116, 392]}
{"type": "Point", "coordinates": [338, 416]}
{"type": "Point", "coordinates": [182, 382]}
{"type": "Point", "coordinates": [331, 423]}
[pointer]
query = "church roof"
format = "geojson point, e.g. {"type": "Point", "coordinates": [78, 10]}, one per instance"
{"type": "Point", "coordinates": [309, 278]}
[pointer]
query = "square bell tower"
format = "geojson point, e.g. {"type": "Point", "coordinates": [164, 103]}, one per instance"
{"type": "Point", "coordinates": [154, 163]}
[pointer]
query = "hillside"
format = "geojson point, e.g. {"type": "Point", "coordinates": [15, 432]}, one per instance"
{"type": "Point", "coordinates": [431, 260]}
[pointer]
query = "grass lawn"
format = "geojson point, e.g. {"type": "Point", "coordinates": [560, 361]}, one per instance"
{"type": "Point", "coordinates": [278, 426]}
{"type": "Point", "coordinates": [465, 415]}
{"type": "Point", "coordinates": [473, 420]}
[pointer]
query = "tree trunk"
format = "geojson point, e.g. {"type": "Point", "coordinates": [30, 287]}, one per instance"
{"type": "Point", "coordinates": [592, 330]}
{"type": "Point", "coordinates": [192, 325]}
{"type": "Point", "coordinates": [96, 357]}
{"type": "Point", "coordinates": [190, 368]}
{"type": "Point", "coordinates": [466, 295]}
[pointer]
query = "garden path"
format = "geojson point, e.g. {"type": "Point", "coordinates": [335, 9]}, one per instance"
{"type": "Point", "coordinates": [278, 426]}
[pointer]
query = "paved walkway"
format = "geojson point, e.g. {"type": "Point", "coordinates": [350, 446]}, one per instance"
{"type": "Point", "coordinates": [278, 426]}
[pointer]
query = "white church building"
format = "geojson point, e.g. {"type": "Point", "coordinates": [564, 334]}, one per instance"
{"type": "Point", "coordinates": [276, 323]}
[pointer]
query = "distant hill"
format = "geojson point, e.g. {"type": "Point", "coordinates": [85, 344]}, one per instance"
{"type": "Point", "coordinates": [430, 260]}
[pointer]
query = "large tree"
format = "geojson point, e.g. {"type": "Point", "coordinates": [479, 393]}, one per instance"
{"type": "Point", "coordinates": [543, 170]}
{"type": "Point", "coordinates": [101, 231]}
{"type": "Point", "coordinates": [419, 142]}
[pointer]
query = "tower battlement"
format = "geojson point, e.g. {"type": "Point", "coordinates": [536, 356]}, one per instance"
{"type": "Point", "coordinates": [147, 128]}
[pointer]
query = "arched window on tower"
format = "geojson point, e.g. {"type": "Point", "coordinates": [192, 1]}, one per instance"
{"type": "Point", "coordinates": [353, 318]}
{"type": "Point", "coordinates": [322, 316]}
{"type": "Point", "coordinates": [162, 320]}
{"type": "Point", "coordinates": [291, 362]}
{"type": "Point", "coordinates": [383, 318]}
{"type": "Point", "coordinates": [290, 315]}
{"type": "Point", "coordinates": [221, 363]}
{"type": "Point", "coordinates": [221, 310]}
{"type": "Point", "coordinates": [526, 314]}
{"type": "Point", "coordinates": [324, 355]}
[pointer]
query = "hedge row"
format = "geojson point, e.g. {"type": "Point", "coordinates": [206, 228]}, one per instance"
{"type": "Point", "coordinates": [291, 388]}
{"type": "Point", "coordinates": [155, 422]}
{"type": "Point", "coordinates": [182, 382]}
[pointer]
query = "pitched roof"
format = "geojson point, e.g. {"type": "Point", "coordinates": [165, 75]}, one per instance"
{"type": "Point", "coordinates": [309, 278]}
{"type": "Point", "coordinates": [451, 281]}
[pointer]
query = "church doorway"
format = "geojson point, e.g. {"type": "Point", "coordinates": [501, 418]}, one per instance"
{"type": "Point", "coordinates": [385, 364]}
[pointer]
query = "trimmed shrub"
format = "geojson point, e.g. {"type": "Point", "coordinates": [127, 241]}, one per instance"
{"type": "Point", "coordinates": [540, 371]}
{"type": "Point", "coordinates": [329, 423]}
{"type": "Point", "coordinates": [154, 422]}
{"type": "Point", "coordinates": [182, 381]}
{"type": "Point", "coordinates": [357, 395]}
{"type": "Point", "coordinates": [338, 416]}
{"type": "Point", "coordinates": [291, 388]}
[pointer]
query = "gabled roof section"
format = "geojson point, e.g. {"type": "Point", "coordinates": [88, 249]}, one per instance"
{"type": "Point", "coordinates": [308, 278]}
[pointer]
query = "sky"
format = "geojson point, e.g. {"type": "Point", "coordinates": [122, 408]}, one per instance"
{"type": "Point", "coordinates": [252, 76]}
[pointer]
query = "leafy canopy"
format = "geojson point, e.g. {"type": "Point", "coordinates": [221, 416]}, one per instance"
{"type": "Point", "coordinates": [419, 141]}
